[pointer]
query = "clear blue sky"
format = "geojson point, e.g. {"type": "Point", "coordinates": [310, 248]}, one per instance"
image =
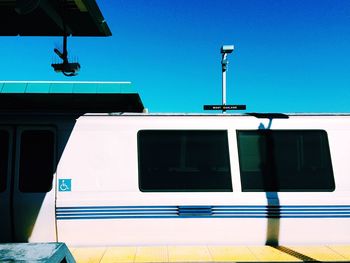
{"type": "Point", "coordinates": [290, 55]}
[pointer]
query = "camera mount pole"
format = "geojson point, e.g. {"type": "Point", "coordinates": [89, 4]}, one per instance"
{"type": "Point", "coordinates": [224, 63]}
{"type": "Point", "coordinates": [225, 50]}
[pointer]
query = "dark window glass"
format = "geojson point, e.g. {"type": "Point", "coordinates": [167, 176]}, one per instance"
{"type": "Point", "coordinates": [36, 161]}
{"type": "Point", "coordinates": [184, 161]}
{"type": "Point", "coordinates": [4, 152]}
{"type": "Point", "coordinates": [282, 160]}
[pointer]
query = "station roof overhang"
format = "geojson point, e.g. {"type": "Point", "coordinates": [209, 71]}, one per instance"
{"type": "Point", "coordinates": [52, 18]}
{"type": "Point", "coordinates": [69, 97]}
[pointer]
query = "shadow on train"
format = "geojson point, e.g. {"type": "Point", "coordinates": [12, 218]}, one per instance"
{"type": "Point", "coordinates": [273, 203]}
{"type": "Point", "coordinates": [271, 182]}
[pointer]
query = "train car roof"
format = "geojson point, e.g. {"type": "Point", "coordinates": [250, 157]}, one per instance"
{"type": "Point", "coordinates": [52, 18]}
{"type": "Point", "coordinates": [69, 97]}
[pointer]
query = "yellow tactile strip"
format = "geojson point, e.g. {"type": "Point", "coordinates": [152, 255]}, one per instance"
{"type": "Point", "coordinates": [333, 253]}
{"type": "Point", "coordinates": [229, 254]}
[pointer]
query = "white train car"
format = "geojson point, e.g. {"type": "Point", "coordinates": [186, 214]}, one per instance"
{"type": "Point", "coordinates": [180, 179]}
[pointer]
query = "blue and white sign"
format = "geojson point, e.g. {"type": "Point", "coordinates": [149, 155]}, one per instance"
{"type": "Point", "coordinates": [64, 185]}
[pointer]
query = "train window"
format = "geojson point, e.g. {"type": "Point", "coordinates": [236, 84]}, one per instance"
{"type": "Point", "coordinates": [285, 161]}
{"type": "Point", "coordinates": [4, 152]}
{"type": "Point", "coordinates": [184, 161]}
{"type": "Point", "coordinates": [36, 161]}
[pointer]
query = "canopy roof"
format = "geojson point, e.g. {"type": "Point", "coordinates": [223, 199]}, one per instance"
{"type": "Point", "coordinates": [52, 18]}
{"type": "Point", "coordinates": [69, 97]}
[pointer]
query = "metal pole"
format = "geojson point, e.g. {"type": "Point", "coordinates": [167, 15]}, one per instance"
{"type": "Point", "coordinates": [224, 63]}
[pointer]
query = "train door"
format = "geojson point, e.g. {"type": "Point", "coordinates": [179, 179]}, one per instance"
{"type": "Point", "coordinates": [28, 202]}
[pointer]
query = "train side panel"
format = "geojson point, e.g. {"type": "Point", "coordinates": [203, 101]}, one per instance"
{"type": "Point", "coordinates": [105, 205]}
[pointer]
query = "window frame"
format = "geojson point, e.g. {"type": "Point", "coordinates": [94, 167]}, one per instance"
{"type": "Point", "coordinates": [20, 131]}
{"type": "Point", "coordinates": [332, 185]}
{"type": "Point", "coordinates": [227, 189]}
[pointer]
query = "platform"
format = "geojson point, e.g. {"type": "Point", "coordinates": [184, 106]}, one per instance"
{"type": "Point", "coordinates": [331, 253]}
{"type": "Point", "coordinates": [35, 253]}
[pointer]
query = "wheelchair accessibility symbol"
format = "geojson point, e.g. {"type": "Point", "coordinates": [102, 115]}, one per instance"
{"type": "Point", "coordinates": [64, 185]}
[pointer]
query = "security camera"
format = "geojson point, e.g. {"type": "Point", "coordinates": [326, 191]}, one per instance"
{"type": "Point", "coordinates": [68, 69]}
{"type": "Point", "coordinates": [226, 49]}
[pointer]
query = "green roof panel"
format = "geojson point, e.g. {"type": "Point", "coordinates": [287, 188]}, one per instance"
{"type": "Point", "coordinates": [61, 88]}
{"type": "Point", "coordinates": [109, 88]}
{"type": "Point", "coordinates": [37, 88]}
{"type": "Point", "coordinates": [86, 88]}
{"type": "Point", "coordinates": [58, 87]}
{"type": "Point", "coordinates": [14, 87]}
{"type": "Point", "coordinates": [127, 89]}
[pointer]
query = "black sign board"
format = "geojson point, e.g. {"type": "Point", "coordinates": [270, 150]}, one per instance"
{"type": "Point", "coordinates": [225, 107]}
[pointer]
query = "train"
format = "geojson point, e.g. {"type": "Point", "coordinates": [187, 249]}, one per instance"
{"type": "Point", "coordinates": [102, 178]}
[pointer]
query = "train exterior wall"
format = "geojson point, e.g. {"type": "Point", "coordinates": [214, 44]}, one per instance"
{"type": "Point", "coordinates": [105, 206]}
{"type": "Point", "coordinates": [96, 197]}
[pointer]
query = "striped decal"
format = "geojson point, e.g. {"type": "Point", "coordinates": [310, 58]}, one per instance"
{"type": "Point", "coordinates": [131, 212]}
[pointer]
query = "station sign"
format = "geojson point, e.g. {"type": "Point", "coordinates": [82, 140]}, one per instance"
{"type": "Point", "coordinates": [225, 107]}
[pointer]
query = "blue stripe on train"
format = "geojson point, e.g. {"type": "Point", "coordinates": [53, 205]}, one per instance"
{"type": "Point", "coordinates": [141, 212]}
